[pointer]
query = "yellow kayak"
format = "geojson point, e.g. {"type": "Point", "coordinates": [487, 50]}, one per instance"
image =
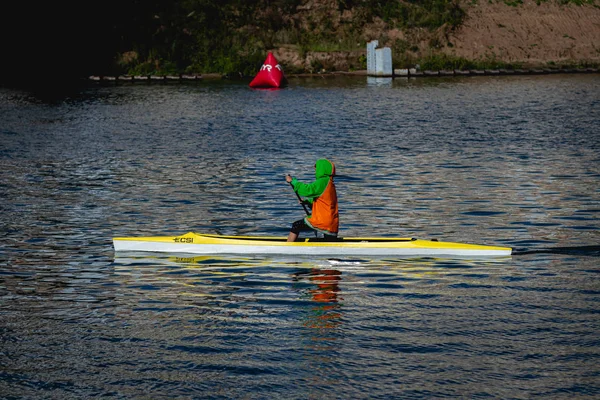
{"type": "Point", "coordinates": [198, 243]}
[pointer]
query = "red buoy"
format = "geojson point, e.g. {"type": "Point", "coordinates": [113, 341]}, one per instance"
{"type": "Point", "coordinates": [270, 74]}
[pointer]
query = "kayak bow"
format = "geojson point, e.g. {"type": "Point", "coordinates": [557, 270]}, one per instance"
{"type": "Point", "coordinates": [197, 243]}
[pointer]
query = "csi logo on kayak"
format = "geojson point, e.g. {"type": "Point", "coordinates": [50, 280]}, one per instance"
{"type": "Point", "coordinates": [183, 240]}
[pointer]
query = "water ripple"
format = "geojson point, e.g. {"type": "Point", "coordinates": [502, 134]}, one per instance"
{"type": "Point", "coordinates": [509, 161]}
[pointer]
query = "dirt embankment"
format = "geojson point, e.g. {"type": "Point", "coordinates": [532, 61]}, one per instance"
{"type": "Point", "coordinates": [528, 34]}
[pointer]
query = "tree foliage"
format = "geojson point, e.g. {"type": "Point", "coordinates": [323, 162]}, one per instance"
{"type": "Point", "coordinates": [179, 36]}
{"type": "Point", "coordinates": [71, 39]}
{"type": "Point", "coordinates": [233, 35]}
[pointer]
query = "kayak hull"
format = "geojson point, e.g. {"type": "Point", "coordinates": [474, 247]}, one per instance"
{"type": "Point", "coordinates": [196, 243]}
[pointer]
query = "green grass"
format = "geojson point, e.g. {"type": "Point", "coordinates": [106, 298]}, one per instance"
{"type": "Point", "coordinates": [233, 36]}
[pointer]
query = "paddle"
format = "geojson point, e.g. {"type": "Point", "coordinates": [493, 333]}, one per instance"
{"type": "Point", "coordinates": [300, 200]}
{"type": "Point", "coordinates": [303, 205]}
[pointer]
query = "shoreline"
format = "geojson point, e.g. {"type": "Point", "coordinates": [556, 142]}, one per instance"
{"type": "Point", "coordinates": [397, 74]}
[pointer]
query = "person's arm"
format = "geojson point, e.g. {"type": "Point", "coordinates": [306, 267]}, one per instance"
{"type": "Point", "coordinates": [309, 190]}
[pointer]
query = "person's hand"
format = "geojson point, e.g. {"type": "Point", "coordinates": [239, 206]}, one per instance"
{"type": "Point", "coordinates": [288, 178]}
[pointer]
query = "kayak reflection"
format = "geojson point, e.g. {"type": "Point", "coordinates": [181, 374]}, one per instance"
{"type": "Point", "coordinates": [326, 293]}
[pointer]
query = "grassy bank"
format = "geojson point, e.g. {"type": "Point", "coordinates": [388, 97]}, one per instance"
{"type": "Point", "coordinates": [233, 36]}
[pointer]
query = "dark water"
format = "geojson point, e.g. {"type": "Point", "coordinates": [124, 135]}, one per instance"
{"type": "Point", "coordinates": [508, 160]}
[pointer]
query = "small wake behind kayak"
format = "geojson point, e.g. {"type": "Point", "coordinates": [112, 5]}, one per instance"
{"type": "Point", "coordinates": [198, 243]}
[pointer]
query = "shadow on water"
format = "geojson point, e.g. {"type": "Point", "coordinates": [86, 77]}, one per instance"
{"type": "Point", "coordinates": [593, 251]}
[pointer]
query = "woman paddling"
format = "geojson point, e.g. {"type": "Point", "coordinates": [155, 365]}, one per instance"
{"type": "Point", "coordinates": [322, 196]}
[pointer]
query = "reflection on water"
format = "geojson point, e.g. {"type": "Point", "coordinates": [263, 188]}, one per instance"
{"type": "Point", "coordinates": [509, 161]}
{"type": "Point", "coordinates": [379, 81]}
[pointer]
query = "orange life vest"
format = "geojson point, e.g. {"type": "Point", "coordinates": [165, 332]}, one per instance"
{"type": "Point", "coordinates": [325, 216]}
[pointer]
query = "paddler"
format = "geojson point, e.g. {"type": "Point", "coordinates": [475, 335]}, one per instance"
{"type": "Point", "coordinates": [321, 195]}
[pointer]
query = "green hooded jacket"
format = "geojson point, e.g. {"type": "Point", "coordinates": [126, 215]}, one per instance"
{"type": "Point", "coordinates": [310, 191]}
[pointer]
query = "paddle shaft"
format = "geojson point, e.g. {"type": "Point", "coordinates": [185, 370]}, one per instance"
{"type": "Point", "coordinates": [303, 205]}
{"type": "Point", "coordinates": [300, 200]}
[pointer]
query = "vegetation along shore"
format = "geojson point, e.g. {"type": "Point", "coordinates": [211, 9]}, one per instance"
{"type": "Point", "coordinates": [231, 37]}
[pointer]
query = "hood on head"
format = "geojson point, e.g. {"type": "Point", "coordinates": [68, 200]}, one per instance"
{"type": "Point", "coordinates": [323, 168]}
